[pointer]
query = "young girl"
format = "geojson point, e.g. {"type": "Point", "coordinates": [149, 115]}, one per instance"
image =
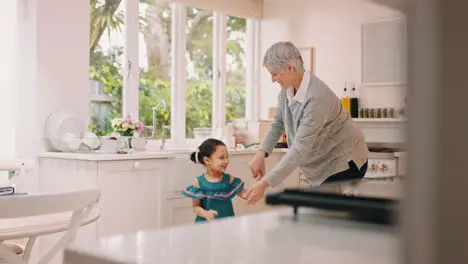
{"type": "Point", "coordinates": [212, 191]}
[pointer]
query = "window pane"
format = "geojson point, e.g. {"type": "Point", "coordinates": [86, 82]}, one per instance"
{"type": "Point", "coordinates": [199, 69]}
{"type": "Point", "coordinates": [235, 68]}
{"type": "Point", "coordinates": [155, 62]}
{"type": "Point", "coordinates": [105, 69]}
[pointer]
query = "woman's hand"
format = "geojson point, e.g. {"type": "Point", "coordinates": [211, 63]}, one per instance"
{"type": "Point", "coordinates": [256, 191]}
{"type": "Point", "coordinates": [257, 165]}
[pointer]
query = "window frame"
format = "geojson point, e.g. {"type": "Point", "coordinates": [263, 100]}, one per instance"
{"type": "Point", "coordinates": [130, 93]}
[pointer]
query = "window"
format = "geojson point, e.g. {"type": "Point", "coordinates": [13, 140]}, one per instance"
{"type": "Point", "coordinates": [236, 68]}
{"type": "Point", "coordinates": [199, 56]}
{"type": "Point", "coordinates": [106, 50]}
{"type": "Point", "coordinates": [197, 61]}
{"type": "Point", "coordinates": [154, 58]}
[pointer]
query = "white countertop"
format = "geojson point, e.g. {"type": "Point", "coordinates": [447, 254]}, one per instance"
{"type": "Point", "coordinates": [271, 237]}
{"type": "Point", "coordinates": [146, 154]}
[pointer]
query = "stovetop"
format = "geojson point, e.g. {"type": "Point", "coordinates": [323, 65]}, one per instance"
{"type": "Point", "coordinates": [386, 146]}
{"type": "Point", "coordinates": [381, 155]}
{"type": "Point", "coordinates": [383, 152]}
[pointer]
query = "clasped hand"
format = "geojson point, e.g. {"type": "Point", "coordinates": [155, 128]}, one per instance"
{"type": "Point", "coordinates": [257, 190]}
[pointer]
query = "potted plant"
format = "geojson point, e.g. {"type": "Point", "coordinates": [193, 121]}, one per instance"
{"type": "Point", "coordinates": [127, 128]}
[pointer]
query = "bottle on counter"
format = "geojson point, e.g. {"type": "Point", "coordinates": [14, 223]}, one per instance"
{"type": "Point", "coordinates": [345, 99]}
{"type": "Point", "coordinates": [354, 103]}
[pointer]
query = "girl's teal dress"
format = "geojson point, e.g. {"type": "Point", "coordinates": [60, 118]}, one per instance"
{"type": "Point", "coordinates": [215, 196]}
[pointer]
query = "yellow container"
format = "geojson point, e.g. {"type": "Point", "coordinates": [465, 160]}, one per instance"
{"type": "Point", "coordinates": [346, 103]}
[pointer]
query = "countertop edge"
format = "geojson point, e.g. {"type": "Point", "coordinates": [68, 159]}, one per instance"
{"type": "Point", "coordinates": [136, 156]}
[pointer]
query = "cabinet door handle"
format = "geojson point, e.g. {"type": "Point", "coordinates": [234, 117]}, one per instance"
{"type": "Point", "coordinates": [136, 165]}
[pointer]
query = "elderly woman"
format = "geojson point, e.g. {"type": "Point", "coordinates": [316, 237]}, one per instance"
{"type": "Point", "coordinates": [323, 140]}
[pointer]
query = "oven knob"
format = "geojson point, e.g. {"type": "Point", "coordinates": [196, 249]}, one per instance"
{"type": "Point", "coordinates": [373, 167]}
{"type": "Point", "coordinates": [384, 167]}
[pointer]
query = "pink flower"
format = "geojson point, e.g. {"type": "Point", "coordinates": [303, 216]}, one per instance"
{"type": "Point", "coordinates": [140, 127]}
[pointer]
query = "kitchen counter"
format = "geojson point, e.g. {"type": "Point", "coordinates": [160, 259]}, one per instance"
{"type": "Point", "coordinates": [146, 154]}
{"type": "Point", "coordinates": [271, 237]}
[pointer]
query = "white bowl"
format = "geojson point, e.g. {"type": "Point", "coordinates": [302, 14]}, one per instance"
{"type": "Point", "coordinates": [91, 140]}
{"type": "Point", "coordinates": [111, 146]}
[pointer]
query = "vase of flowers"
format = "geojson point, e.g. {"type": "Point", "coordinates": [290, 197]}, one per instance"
{"type": "Point", "coordinates": [127, 127]}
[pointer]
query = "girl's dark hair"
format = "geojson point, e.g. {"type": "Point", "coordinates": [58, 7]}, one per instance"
{"type": "Point", "coordinates": [206, 149]}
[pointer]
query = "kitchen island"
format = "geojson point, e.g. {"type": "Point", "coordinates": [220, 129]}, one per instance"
{"type": "Point", "coordinates": [269, 237]}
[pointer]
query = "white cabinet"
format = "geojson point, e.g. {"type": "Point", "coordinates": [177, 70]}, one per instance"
{"type": "Point", "coordinates": [62, 175]}
{"type": "Point", "coordinates": [177, 209]}
{"type": "Point", "coordinates": [181, 172]}
{"type": "Point", "coordinates": [130, 193]}
{"type": "Point", "coordinates": [178, 212]}
{"type": "Point", "coordinates": [130, 189]}
{"type": "Point", "coordinates": [239, 167]}
{"type": "Point", "coordinates": [384, 53]}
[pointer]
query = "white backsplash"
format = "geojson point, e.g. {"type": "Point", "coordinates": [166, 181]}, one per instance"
{"type": "Point", "coordinates": [383, 131]}
{"type": "Point", "coordinates": [382, 96]}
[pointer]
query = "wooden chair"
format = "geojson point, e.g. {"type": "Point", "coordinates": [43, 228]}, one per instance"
{"type": "Point", "coordinates": [33, 215]}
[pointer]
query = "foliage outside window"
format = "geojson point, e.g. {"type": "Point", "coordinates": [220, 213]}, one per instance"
{"type": "Point", "coordinates": [236, 71]}
{"type": "Point", "coordinates": [106, 55]}
{"type": "Point", "coordinates": [199, 55]}
{"type": "Point", "coordinates": [155, 61]}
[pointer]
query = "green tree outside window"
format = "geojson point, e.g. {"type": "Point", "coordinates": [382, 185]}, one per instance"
{"type": "Point", "coordinates": [154, 84]}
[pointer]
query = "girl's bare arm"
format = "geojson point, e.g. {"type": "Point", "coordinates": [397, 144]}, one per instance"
{"type": "Point", "coordinates": [242, 193]}
{"type": "Point", "coordinates": [196, 205]}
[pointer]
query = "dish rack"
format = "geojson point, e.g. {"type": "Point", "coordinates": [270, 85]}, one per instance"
{"type": "Point", "coordinates": [72, 143]}
{"type": "Point", "coordinates": [65, 133]}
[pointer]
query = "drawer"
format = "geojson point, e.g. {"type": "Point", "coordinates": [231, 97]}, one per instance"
{"type": "Point", "coordinates": [132, 165]}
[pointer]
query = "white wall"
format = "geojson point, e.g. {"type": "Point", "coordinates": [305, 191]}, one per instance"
{"type": "Point", "coordinates": [44, 63]}
{"type": "Point", "coordinates": [53, 66]}
{"type": "Point", "coordinates": [333, 28]}
{"type": "Point", "coordinates": [7, 76]}
{"type": "Point", "coordinates": [8, 58]}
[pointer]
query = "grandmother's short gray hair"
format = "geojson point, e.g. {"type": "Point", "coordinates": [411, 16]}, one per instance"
{"type": "Point", "coordinates": [282, 53]}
